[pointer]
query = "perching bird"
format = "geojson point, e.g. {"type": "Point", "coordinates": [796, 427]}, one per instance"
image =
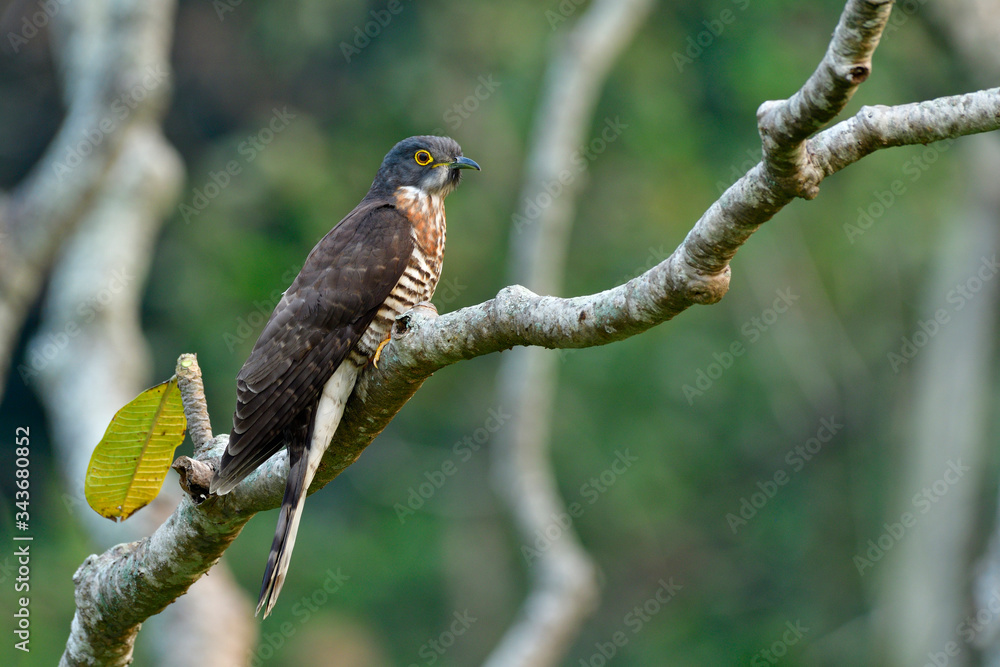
{"type": "Point", "coordinates": [378, 262]}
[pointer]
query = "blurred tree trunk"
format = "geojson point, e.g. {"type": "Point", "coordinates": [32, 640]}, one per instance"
{"type": "Point", "coordinates": [108, 53]}
{"type": "Point", "coordinates": [92, 306]}
{"type": "Point", "coordinates": [563, 578]}
{"type": "Point", "coordinates": [927, 593]}
{"type": "Point", "coordinates": [89, 356]}
{"type": "Point", "coordinates": [925, 579]}
{"type": "Point", "coordinates": [972, 28]}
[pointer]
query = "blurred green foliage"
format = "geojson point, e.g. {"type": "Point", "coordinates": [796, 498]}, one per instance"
{"type": "Point", "coordinates": [219, 271]}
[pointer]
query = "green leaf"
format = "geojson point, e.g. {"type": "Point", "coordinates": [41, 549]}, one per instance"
{"type": "Point", "coordinates": [131, 461]}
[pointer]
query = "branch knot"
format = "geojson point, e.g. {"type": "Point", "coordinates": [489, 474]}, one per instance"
{"type": "Point", "coordinates": [858, 73]}
{"type": "Point", "coordinates": [405, 322]}
{"type": "Point", "coordinates": [196, 476]}
{"type": "Point", "coordinates": [707, 288]}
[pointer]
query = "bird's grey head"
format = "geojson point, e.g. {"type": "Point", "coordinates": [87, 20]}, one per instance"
{"type": "Point", "coordinates": [432, 164]}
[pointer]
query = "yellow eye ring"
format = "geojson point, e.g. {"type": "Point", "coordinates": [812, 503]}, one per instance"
{"type": "Point", "coordinates": [423, 158]}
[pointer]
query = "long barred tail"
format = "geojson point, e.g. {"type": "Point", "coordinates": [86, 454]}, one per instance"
{"type": "Point", "coordinates": [288, 526]}
{"type": "Point", "coordinates": [304, 456]}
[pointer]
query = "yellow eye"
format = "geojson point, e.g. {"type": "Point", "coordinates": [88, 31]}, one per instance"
{"type": "Point", "coordinates": [423, 158]}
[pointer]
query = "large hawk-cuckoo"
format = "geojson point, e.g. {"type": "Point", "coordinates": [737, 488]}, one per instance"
{"type": "Point", "coordinates": [379, 261]}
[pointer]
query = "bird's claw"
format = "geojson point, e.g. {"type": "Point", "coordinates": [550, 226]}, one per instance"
{"type": "Point", "coordinates": [378, 351]}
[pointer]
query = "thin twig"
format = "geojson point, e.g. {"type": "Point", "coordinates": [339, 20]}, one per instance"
{"type": "Point", "coordinates": [195, 406]}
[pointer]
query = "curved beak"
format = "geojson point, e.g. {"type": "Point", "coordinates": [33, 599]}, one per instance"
{"type": "Point", "coordinates": [464, 163]}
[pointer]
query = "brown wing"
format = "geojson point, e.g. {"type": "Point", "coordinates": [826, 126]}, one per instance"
{"type": "Point", "coordinates": [344, 281]}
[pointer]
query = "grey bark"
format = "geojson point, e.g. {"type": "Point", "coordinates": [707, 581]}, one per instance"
{"type": "Point", "coordinates": [118, 590]}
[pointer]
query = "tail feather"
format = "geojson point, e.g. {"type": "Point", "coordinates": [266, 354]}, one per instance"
{"type": "Point", "coordinates": [304, 456]}
{"type": "Point", "coordinates": [284, 534]}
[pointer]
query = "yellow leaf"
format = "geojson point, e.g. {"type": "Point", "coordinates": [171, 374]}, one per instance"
{"type": "Point", "coordinates": [131, 461]}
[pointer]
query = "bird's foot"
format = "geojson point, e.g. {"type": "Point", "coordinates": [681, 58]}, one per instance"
{"type": "Point", "coordinates": [378, 350]}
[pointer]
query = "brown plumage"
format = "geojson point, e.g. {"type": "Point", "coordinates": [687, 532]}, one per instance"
{"type": "Point", "coordinates": [379, 261]}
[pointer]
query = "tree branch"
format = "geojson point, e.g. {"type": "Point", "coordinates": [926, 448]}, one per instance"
{"type": "Point", "coordinates": [784, 126]}
{"type": "Point", "coordinates": [878, 127]}
{"type": "Point", "coordinates": [119, 589]}
{"type": "Point", "coordinates": [195, 407]}
{"type": "Point", "coordinates": [127, 584]}
{"type": "Point", "coordinates": [519, 317]}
